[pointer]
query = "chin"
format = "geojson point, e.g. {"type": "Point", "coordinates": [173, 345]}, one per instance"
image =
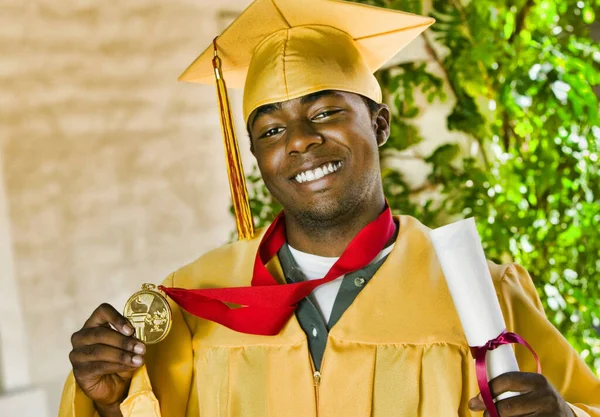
{"type": "Point", "coordinates": [326, 210]}
{"type": "Point", "coordinates": [330, 206]}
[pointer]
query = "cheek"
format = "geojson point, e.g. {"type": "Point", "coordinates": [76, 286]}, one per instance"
{"type": "Point", "coordinates": [365, 148]}
{"type": "Point", "coordinates": [267, 177]}
{"type": "Point", "coordinates": [270, 162]}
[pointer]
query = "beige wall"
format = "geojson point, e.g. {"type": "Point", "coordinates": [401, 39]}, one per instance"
{"type": "Point", "coordinates": [14, 366]}
{"type": "Point", "coordinates": [113, 173]}
{"type": "Point", "coordinates": [18, 397]}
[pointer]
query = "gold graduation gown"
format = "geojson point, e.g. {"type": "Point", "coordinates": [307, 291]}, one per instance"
{"type": "Point", "coordinates": [398, 350]}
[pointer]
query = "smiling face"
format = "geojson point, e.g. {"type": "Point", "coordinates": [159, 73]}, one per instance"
{"type": "Point", "coordinates": [318, 154]}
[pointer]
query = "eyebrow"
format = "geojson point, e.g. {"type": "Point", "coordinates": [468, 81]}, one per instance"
{"type": "Point", "coordinates": [307, 99]}
{"type": "Point", "coordinates": [263, 110]}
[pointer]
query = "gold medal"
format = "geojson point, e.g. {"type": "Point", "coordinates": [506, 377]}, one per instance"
{"type": "Point", "coordinates": [149, 313]}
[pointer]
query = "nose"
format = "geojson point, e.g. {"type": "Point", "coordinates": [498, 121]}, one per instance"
{"type": "Point", "coordinates": [301, 137]}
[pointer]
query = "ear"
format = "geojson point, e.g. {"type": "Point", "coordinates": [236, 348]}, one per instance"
{"type": "Point", "coordinates": [381, 123]}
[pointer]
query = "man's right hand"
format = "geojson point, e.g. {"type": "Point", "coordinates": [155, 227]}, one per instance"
{"type": "Point", "coordinates": [104, 359]}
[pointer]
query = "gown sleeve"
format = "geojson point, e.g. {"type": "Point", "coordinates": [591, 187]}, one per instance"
{"type": "Point", "coordinates": [160, 388]}
{"type": "Point", "coordinates": [562, 366]}
{"type": "Point", "coordinates": [73, 402]}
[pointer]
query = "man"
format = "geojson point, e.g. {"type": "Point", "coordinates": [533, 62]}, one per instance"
{"type": "Point", "coordinates": [381, 338]}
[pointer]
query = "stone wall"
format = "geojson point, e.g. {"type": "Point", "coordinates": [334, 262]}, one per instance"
{"type": "Point", "coordinates": [18, 397]}
{"type": "Point", "coordinates": [114, 172]}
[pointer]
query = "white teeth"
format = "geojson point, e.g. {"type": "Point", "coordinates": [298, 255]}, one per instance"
{"type": "Point", "coordinates": [320, 172]}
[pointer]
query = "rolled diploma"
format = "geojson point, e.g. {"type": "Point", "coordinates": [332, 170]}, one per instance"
{"type": "Point", "coordinates": [458, 248]}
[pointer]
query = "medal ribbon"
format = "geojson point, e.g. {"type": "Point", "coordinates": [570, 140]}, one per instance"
{"type": "Point", "coordinates": [266, 305]}
{"type": "Point", "coordinates": [479, 353]}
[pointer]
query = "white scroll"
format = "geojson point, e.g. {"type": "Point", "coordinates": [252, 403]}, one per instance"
{"type": "Point", "coordinates": [458, 248]}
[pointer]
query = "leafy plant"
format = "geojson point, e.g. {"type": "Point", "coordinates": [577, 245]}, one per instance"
{"type": "Point", "coordinates": [521, 76]}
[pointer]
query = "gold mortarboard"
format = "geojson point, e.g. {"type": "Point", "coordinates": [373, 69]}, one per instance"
{"type": "Point", "coordinates": [279, 50]}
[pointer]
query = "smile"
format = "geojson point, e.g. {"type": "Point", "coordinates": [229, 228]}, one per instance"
{"type": "Point", "coordinates": [317, 173]}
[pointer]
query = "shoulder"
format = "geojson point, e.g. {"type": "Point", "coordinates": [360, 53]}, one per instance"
{"type": "Point", "coordinates": [226, 266]}
{"type": "Point", "coordinates": [514, 286]}
{"type": "Point", "coordinates": [512, 275]}
{"type": "Point", "coordinates": [500, 272]}
{"type": "Point", "coordinates": [509, 279]}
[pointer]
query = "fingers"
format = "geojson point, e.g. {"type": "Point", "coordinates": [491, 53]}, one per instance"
{"type": "Point", "coordinates": [125, 375]}
{"type": "Point", "coordinates": [107, 336]}
{"type": "Point", "coordinates": [99, 350]}
{"type": "Point", "coordinates": [536, 396]}
{"type": "Point", "coordinates": [97, 345]}
{"type": "Point", "coordinates": [92, 370]}
{"type": "Point", "coordinates": [522, 405]}
{"type": "Point", "coordinates": [476, 404]}
{"type": "Point", "coordinates": [105, 353]}
{"type": "Point", "coordinates": [106, 314]}
{"type": "Point", "coordinates": [522, 382]}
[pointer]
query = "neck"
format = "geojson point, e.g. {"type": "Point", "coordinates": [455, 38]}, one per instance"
{"type": "Point", "coordinates": [330, 239]}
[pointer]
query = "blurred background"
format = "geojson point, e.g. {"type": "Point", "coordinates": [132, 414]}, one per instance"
{"type": "Point", "coordinates": [112, 174]}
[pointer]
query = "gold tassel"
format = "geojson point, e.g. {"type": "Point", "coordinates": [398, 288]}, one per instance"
{"type": "Point", "coordinates": [237, 180]}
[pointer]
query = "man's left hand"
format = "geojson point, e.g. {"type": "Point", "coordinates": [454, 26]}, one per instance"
{"type": "Point", "coordinates": [538, 397]}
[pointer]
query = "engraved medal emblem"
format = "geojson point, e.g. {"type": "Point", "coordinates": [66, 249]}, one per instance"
{"type": "Point", "coordinates": [149, 313]}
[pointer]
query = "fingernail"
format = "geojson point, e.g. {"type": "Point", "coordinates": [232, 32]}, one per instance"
{"type": "Point", "coordinates": [137, 359]}
{"type": "Point", "coordinates": [139, 348]}
{"type": "Point", "coordinates": [127, 330]}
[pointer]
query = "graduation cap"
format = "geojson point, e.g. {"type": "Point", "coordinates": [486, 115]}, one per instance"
{"type": "Point", "coordinates": [278, 50]}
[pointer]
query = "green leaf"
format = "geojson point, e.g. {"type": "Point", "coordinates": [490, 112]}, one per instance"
{"type": "Point", "coordinates": [588, 15]}
{"type": "Point", "coordinates": [509, 25]}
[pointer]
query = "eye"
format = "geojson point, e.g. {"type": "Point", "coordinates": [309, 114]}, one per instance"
{"type": "Point", "coordinates": [272, 132]}
{"type": "Point", "coordinates": [325, 114]}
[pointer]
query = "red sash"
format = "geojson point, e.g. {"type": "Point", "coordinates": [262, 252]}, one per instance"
{"type": "Point", "coordinates": [266, 305]}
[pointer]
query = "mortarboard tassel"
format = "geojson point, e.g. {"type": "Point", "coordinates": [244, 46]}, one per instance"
{"type": "Point", "coordinates": [237, 180]}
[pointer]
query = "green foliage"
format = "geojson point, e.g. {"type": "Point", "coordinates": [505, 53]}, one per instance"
{"type": "Point", "coordinates": [522, 73]}
{"type": "Point", "coordinates": [262, 204]}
